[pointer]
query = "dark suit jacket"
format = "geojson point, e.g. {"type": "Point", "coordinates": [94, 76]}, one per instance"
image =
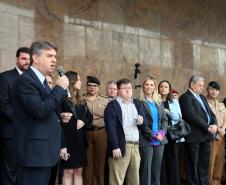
{"type": "Point", "coordinates": [6, 111]}
{"type": "Point", "coordinates": [147, 132]}
{"type": "Point", "coordinates": [80, 111]}
{"type": "Point", "coordinates": [195, 115]}
{"type": "Point", "coordinates": [36, 121]}
{"type": "Point", "coordinates": [114, 127]}
{"type": "Point", "coordinates": [224, 101]}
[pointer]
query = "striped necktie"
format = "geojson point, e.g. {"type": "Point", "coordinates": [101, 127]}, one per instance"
{"type": "Point", "coordinates": [45, 83]}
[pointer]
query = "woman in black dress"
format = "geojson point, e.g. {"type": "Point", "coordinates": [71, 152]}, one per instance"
{"type": "Point", "coordinates": [74, 132]}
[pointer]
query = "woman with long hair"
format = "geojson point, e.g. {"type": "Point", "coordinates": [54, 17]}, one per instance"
{"type": "Point", "coordinates": [153, 135]}
{"type": "Point", "coordinates": [170, 174]}
{"type": "Point", "coordinates": [74, 132]}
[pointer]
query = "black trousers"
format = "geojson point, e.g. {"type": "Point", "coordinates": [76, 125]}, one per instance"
{"type": "Point", "coordinates": [197, 163]}
{"type": "Point", "coordinates": [34, 175]}
{"type": "Point", "coordinates": [106, 171]}
{"type": "Point", "coordinates": [8, 162]}
{"type": "Point", "coordinates": [170, 174]}
{"type": "Point", "coordinates": [53, 174]}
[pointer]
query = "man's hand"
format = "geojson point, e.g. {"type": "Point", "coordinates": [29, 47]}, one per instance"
{"type": "Point", "coordinates": [117, 153]}
{"type": "Point", "coordinates": [65, 117]}
{"type": "Point", "coordinates": [212, 129]}
{"type": "Point", "coordinates": [140, 120]}
{"type": "Point", "coordinates": [80, 124]}
{"type": "Point", "coordinates": [63, 82]}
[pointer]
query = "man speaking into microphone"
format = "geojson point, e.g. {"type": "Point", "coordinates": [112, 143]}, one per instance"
{"type": "Point", "coordinates": [37, 125]}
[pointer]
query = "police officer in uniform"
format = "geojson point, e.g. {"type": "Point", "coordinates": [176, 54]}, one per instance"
{"type": "Point", "coordinates": [96, 136]}
{"type": "Point", "coordinates": [216, 165]}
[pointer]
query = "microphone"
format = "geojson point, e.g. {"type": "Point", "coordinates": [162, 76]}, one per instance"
{"type": "Point", "coordinates": [60, 71]}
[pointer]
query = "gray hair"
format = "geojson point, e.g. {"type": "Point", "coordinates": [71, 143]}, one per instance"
{"type": "Point", "coordinates": [194, 79]}
{"type": "Point", "coordinates": [38, 46]}
{"type": "Point", "coordinates": [111, 82]}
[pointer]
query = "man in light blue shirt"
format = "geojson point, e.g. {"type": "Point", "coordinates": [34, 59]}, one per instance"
{"type": "Point", "coordinates": [122, 120]}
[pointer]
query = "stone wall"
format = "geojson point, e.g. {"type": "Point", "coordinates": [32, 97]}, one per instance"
{"type": "Point", "coordinates": [171, 39]}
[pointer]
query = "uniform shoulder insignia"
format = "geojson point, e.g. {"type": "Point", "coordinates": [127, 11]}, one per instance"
{"type": "Point", "coordinates": [103, 96]}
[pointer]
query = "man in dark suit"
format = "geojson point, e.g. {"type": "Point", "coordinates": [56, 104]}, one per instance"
{"type": "Point", "coordinates": [196, 111]}
{"type": "Point", "coordinates": [8, 157]}
{"type": "Point", "coordinates": [36, 116]}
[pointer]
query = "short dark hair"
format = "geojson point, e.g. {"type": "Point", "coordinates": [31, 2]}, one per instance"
{"type": "Point", "coordinates": [123, 81]}
{"type": "Point", "coordinates": [38, 46]}
{"type": "Point", "coordinates": [22, 50]}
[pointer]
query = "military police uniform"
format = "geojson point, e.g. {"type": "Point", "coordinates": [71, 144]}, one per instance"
{"type": "Point", "coordinates": [97, 142]}
{"type": "Point", "coordinates": [216, 165]}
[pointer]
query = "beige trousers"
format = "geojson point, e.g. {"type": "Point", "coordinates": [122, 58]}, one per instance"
{"type": "Point", "coordinates": [125, 169]}
{"type": "Point", "coordinates": [216, 162]}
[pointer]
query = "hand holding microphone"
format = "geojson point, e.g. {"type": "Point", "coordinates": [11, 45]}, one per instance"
{"type": "Point", "coordinates": [63, 80]}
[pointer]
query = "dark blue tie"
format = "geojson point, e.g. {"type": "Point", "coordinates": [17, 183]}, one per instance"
{"type": "Point", "coordinates": [45, 83]}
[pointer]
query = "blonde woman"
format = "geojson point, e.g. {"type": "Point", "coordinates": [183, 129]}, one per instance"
{"type": "Point", "coordinates": [153, 135]}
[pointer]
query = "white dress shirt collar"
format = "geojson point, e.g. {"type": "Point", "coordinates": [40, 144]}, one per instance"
{"type": "Point", "coordinates": [40, 76]}
{"type": "Point", "coordinates": [19, 71]}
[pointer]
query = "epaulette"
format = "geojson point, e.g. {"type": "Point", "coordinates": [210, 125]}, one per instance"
{"type": "Point", "coordinates": [103, 96]}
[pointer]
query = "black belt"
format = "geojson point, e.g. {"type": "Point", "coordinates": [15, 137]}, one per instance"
{"type": "Point", "coordinates": [133, 142]}
{"type": "Point", "coordinates": [95, 128]}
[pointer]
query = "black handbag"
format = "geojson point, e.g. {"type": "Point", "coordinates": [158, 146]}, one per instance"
{"type": "Point", "coordinates": [179, 130]}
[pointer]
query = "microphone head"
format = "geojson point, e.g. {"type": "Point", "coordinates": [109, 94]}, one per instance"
{"type": "Point", "coordinates": [60, 71]}
{"type": "Point", "coordinates": [137, 65]}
